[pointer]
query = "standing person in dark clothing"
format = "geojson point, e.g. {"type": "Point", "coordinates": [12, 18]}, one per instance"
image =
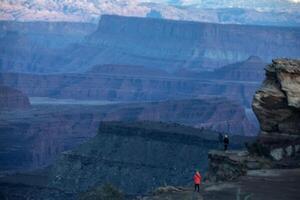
{"type": "Point", "coordinates": [226, 142]}
{"type": "Point", "coordinates": [197, 181]}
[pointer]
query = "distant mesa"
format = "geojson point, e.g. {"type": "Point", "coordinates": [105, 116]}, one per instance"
{"type": "Point", "coordinates": [172, 44]}
{"type": "Point", "coordinates": [149, 42]}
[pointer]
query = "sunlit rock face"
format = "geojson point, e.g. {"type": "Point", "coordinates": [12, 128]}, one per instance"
{"type": "Point", "coordinates": [12, 99]}
{"type": "Point", "coordinates": [277, 106]}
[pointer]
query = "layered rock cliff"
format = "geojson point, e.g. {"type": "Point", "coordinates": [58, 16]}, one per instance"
{"type": "Point", "coordinates": [214, 113]}
{"type": "Point", "coordinates": [12, 99]}
{"type": "Point", "coordinates": [277, 107]}
{"type": "Point", "coordinates": [165, 44]}
{"type": "Point", "coordinates": [36, 137]}
{"type": "Point", "coordinates": [32, 46]}
{"type": "Point", "coordinates": [136, 157]}
{"type": "Point", "coordinates": [171, 44]}
{"type": "Point", "coordinates": [114, 86]}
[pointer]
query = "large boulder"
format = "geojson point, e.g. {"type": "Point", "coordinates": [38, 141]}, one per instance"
{"type": "Point", "coordinates": [277, 107]}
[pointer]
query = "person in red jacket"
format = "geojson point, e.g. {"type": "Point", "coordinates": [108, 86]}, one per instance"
{"type": "Point", "coordinates": [197, 181]}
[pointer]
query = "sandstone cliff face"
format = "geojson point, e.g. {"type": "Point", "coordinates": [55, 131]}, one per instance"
{"type": "Point", "coordinates": [277, 107]}
{"type": "Point", "coordinates": [12, 99]}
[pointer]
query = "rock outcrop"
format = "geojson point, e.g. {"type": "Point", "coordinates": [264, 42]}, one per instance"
{"type": "Point", "coordinates": [230, 165]}
{"type": "Point", "coordinates": [12, 99]}
{"type": "Point", "coordinates": [136, 157]}
{"type": "Point", "coordinates": [277, 107]}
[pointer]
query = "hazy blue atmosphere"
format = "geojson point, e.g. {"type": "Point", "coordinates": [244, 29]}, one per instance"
{"type": "Point", "coordinates": [147, 100]}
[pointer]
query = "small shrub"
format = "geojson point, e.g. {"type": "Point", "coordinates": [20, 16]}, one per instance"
{"type": "Point", "coordinates": [105, 192]}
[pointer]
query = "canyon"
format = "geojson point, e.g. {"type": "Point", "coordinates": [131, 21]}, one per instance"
{"type": "Point", "coordinates": [177, 44]}
{"type": "Point", "coordinates": [35, 137]}
{"type": "Point", "coordinates": [133, 83]}
{"type": "Point", "coordinates": [25, 46]}
{"type": "Point", "coordinates": [163, 44]}
{"type": "Point", "coordinates": [136, 157]}
{"type": "Point", "coordinates": [141, 102]}
{"type": "Point", "coordinates": [128, 88]}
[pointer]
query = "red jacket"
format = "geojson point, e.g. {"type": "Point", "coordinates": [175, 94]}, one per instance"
{"type": "Point", "coordinates": [197, 178]}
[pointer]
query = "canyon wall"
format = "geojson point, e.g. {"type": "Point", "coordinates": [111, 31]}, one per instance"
{"type": "Point", "coordinates": [158, 43]}
{"type": "Point", "coordinates": [12, 99]}
{"type": "Point", "coordinates": [35, 137]}
{"type": "Point", "coordinates": [32, 46]}
{"type": "Point", "coordinates": [117, 87]}
{"type": "Point", "coordinates": [171, 44]}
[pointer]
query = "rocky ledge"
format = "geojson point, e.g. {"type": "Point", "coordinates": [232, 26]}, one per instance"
{"type": "Point", "coordinates": [230, 165]}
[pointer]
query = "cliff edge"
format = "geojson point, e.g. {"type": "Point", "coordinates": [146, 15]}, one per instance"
{"type": "Point", "coordinates": [277, 107]}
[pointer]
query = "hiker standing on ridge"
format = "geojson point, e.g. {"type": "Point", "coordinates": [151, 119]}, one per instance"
{"type": "Point", "coordinates": [226, 142]}
{"type": "Point", "coordinates": [197, 181]}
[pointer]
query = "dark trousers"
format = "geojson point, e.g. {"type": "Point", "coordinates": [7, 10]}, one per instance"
{"type": "Point", "coordinates": [225, 147]}
{"type": "Point", "coordinates": [197, 187]}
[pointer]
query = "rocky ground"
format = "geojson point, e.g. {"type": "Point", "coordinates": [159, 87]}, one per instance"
{"type": "Point", "coordinates": [273, 184]}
